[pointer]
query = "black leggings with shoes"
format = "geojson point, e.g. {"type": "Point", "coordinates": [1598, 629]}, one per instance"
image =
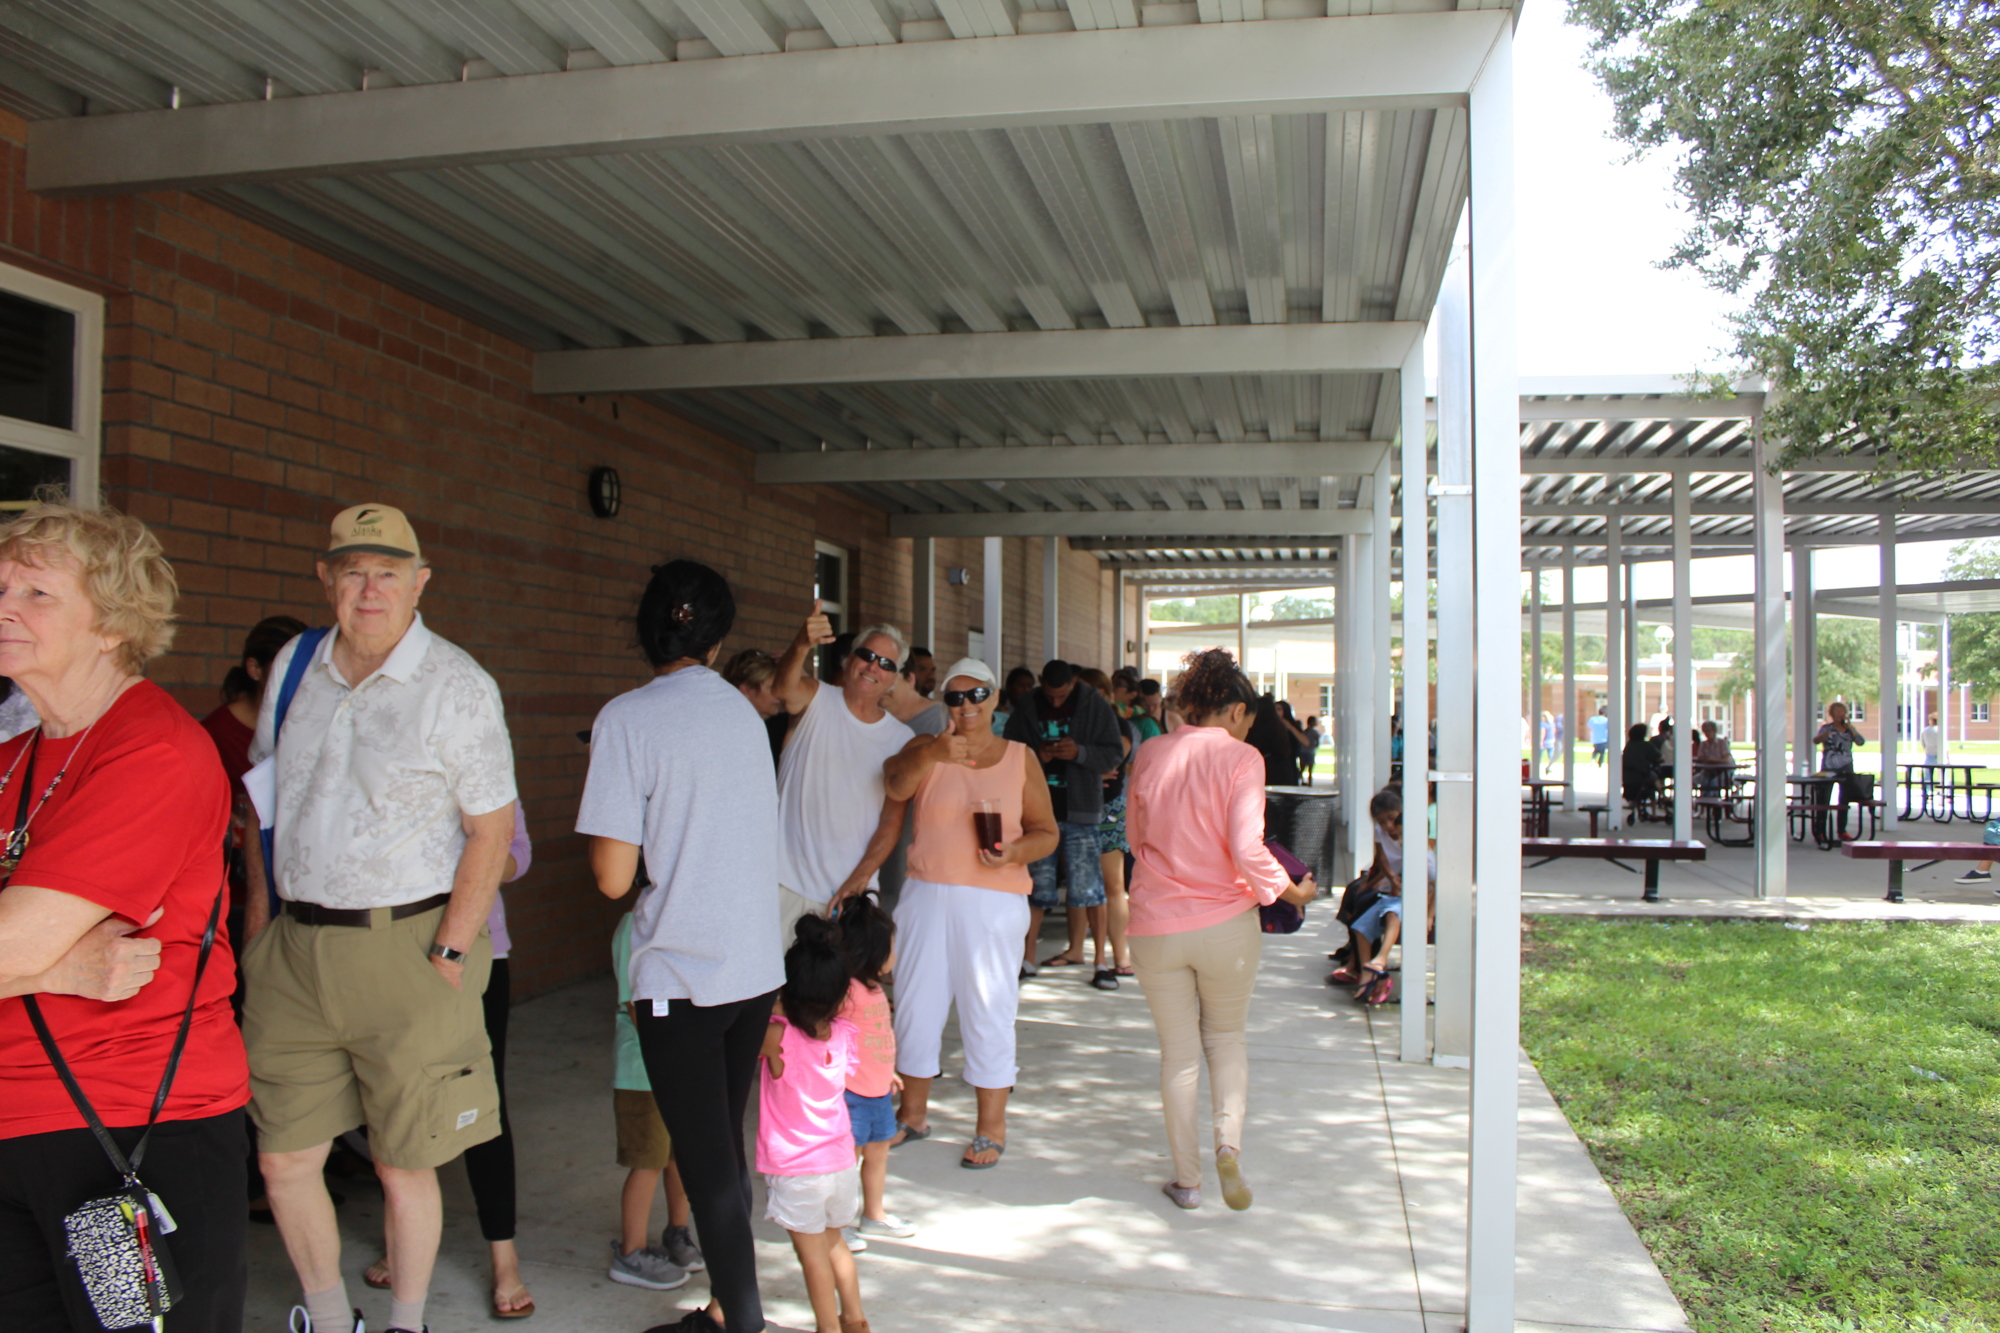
{"type": "Point", "coordinates": [702, 1061]}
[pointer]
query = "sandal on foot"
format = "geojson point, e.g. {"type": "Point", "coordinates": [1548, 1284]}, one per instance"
{"type": "Point", "coordinates": [1062, 960]}
{"type": "Point", "coordinates": [519, 1311]}
{"type": "Point", "coordinates": [376, 1274]}
{"type": "Point", "coordinates": [1343, 976]}
{"type": "Point", "coordinates": [1378, 991]}
{"type": "Point", "coordinates": [1235, 1192]}
{"type": "Point", "coordinates": [980, 1143]}
{"type": "Point", "coordinates": [1370, 976]}
{"type": "Point", "coordinates": [1125, 972]}
{"type": "Point", "coordinates": [1184, 1196]}
{"type": "Point", "coordinates": [911, 1134]}
{"type": "Point", "coordinates": [1106, 978]}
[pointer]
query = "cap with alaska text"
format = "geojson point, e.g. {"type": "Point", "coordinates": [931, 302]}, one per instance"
{"type": "Point", "coordinates": [378, 529]}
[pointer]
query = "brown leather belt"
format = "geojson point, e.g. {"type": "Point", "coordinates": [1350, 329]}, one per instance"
{"type": "Point", "coordinates": [312, 914]}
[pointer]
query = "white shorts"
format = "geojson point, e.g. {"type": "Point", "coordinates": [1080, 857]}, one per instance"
{"type": "Point", "coordinates": [812, 1204]}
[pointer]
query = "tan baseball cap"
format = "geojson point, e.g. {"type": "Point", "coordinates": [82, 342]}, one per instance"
{"type": "Point", "coordinates": [378, 529]}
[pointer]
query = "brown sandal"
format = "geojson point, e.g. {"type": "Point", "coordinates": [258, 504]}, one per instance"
{"type": "Point", "coordinates": [518, 1312]}
{"type": "Point", "coordinates": [376, 1274]}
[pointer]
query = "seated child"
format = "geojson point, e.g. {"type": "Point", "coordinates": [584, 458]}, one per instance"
{"type": "Point", "coordinates": [868, 941]}
{"type": "Point", "coordinates": [805, 1142]}
{"type": "Point", "coordinates": [1372, 934]}
{"type": "Point", "coordinates": [646, 1153]}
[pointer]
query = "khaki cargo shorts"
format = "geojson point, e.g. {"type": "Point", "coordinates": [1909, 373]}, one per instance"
{"type": "Point", "coordinates": [348, 1026]}
{"type": "Point", "coordinates": [643, 1141]}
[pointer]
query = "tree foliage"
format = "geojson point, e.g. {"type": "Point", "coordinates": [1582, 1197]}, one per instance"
{"type": "Point", "coordinates": [1975, 640]}
{"type": "Point", "coordinates": [1850, 652]}
{"type": "Point", "coordinates": [1839, 160]}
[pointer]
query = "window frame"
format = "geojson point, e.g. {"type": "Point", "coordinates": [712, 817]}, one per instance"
{"type": "Point", "coordinates": [82, 445]}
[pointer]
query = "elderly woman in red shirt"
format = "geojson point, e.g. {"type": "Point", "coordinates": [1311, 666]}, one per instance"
{"type": "Point", "coordinates": [115, 808]}
{"type": "Point", "coordinates": [1195, 821]}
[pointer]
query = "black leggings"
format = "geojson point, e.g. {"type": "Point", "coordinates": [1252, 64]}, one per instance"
{"type": "Point", "coordinates": [489, 1166]}
{"type": "Point", "coordinates": [195, 1166]}
{"type": "Point", "coordinates": [702, 1063]}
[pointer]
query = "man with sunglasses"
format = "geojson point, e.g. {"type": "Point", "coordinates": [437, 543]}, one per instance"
{"type": "Point", "coordinates": [834, 828]}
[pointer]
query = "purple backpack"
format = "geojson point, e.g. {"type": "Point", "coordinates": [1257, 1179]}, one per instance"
{"type": "Point", "coordinates": [1281, 917]}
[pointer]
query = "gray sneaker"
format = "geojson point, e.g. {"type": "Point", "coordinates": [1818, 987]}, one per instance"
{"type": "Point", "coordinates": [1976, 877]}
{"type": "Point", "coordinates": [649, 1268]}
{"type": "Point", "coordinates": [679, 1244]}
{"type": "Point", "coordinates": [856, 1242]}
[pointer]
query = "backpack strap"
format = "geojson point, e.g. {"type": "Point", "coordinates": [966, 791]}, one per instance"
{"type": "Point", "coordinates": [295, 672]}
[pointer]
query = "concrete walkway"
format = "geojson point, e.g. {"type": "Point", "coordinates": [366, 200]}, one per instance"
{"type": "Point", "coordinates": [1358, 1163]}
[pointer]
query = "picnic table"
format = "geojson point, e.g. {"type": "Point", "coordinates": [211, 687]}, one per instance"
{"type": "Point", "coordinates": [1929, 853]}
{"type": "Point", "coordinates": [1941, 785]}
{"type": "Point", "coordinates": [1650, 850]}
{"type": "Point", "coordinates": [1535, 819]}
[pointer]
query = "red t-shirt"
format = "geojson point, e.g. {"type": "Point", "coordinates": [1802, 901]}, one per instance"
{"type": "Point", "coordinates": [136, 824]}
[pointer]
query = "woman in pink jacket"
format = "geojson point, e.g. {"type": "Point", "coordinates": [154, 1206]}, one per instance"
{"type": "Point", "coordinates": [1195, 821]}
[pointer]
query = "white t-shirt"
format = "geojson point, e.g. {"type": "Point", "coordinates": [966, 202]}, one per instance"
{"type": "Point", "coordinates": [830, 792]}
{"type": "Point", "coordinates": [681, 766]}
{"type": "Point", "coordinates": [1933, 742]}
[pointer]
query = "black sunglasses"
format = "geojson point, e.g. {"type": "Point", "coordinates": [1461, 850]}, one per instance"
{"type": "Point", "coordinates": [979, 694]}
{"type": "Point", "coordinates": [886, 663]}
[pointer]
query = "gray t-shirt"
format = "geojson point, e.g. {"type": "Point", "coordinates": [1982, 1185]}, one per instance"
{"type": "Point", "coordinates": [681, 766]}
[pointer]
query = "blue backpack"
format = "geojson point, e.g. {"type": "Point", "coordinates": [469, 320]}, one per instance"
{"type": "Point", "coordinates": [309, 642]}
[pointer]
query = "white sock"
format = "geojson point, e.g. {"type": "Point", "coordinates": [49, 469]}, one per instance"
{"type": "Point", "coordinates": [329, 1310]}
{"type": "Point", "coordinates": [406, 1315]}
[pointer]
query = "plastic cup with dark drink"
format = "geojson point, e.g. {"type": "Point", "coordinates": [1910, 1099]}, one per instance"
{"type": "Point", "coordinates": [986, 825]}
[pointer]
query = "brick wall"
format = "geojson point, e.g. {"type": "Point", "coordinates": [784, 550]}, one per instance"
{"type": "Point", "coordinates": [254, 387]}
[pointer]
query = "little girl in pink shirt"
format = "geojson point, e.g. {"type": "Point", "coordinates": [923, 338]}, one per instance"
{"type": "Point", "coordinates": [868, 939]}
{"type": "Point", "coordinates": [805, 1143]}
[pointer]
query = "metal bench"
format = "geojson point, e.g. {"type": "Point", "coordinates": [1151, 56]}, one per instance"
{"type": "Point", "coordinates": [1594, 811]}
{"type": "Point", "coordinates": [1650, 850]}
{"type": "Point", "coordinates": [1928, 853]}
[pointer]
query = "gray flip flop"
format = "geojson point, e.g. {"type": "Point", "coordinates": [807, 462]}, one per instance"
{"type": "Point", "coordinates": [911, 1134]}
{"type": "Point", "coordinates": [980, 1143]}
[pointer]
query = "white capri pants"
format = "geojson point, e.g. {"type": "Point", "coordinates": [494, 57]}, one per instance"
{"type": "Point", "coordinates": [958, 945]}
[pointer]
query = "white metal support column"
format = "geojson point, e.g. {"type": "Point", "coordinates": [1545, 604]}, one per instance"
{"type": "Point", "coordinates": [1685, 729]}
{"type": "Point", "coordinates": [1363, 702]}
{"type": "Point", "coordinates": [1051, 598]}
{"type": "Point", "coordinates": [1891, 677]}
{"type": "Point", "coordinates": [1572, 726]}
{"type": "Point", "coordinates": [995, 607]}
{"type": "Point", "coordinates": [1452, 1037]}
{"type": "Point", "coordinates": [923, 592]}
{"type": "Point", "coordinates": [1496, 505]}
{"type": "Point", "coordinates": [1416, 697]}
{"type": "Point", "coordinates": [1381, 544]}
{"type": "Point", "coordinates": [1353, 678]}
{"type": "Point", "coordinates": [1615, 668]}
{"type": "Point", "coordinates": [1944, 689]}
{"type": "Point", "coordinates": [1767, 491]}
{"type": "Point", "coordinates": [1634, 678]}
{"type": "Point", "coordinates": [1535, 666]}
{"type": "Point", "coordinates": [1805, 660]}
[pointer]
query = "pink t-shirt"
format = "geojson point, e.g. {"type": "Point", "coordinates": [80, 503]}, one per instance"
{"type": "Point", "coordinates": [1194, 817]}
{"type": "Point", "coordinates": [868, 1010]}
{"type": "Point", "coordinates": [803, 1128]}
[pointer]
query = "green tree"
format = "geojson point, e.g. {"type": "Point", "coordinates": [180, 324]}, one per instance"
{"type": "Point", "coordinates": [1838, 160]}
{"type": "Point", "coordinates": [1302, 608]}
{"type": "Point", "coordinates": [1197, 611]}
{"type": "Point", "coordinates": [1975, 640]}
{"type": "Point", "coordinates": [1849, 654]}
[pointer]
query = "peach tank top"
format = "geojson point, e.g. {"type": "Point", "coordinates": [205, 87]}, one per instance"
{"type": "Point", "coordinates": [944, 849]}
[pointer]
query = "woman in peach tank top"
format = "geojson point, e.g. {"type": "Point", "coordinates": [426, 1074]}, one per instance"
{"type": "Point", "coordinates": [964, 907]}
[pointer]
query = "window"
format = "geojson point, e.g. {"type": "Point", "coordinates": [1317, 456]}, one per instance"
{"type": "Point", "coordinates": [830, 586]}
{"type": "Point", "coordinates": [1326, 701]}
{"type": "Point", "coordinates": [51, 376]}
{"type": "Point", "coordinates": [1859, 711]}
{"type": "Point", "coordinates": [1982, 712]}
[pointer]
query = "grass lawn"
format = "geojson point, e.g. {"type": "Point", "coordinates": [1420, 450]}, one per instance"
{"type": "Point", "coordinates": [1804, 1125]}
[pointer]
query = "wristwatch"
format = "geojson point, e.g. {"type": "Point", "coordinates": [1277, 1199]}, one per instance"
{"type": "Point", "coordinates": [446, 952]}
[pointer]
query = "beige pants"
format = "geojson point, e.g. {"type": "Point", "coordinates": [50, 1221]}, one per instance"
{"type": "Point", "coordinates": [1198, 985]}
{"type": "Point", "coordinates": [792, 906]}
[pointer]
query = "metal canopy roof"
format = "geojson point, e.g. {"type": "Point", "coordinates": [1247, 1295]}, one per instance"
{"type": "Point", "coordinates": [705, 200]}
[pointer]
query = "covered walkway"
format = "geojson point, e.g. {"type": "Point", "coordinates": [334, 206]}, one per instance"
{"type": "Point", "coordinates": [1358, 1162]}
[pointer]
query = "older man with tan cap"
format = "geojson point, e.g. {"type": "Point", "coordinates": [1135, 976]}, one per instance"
{"type": "Point", "coordinates": [395, 805]}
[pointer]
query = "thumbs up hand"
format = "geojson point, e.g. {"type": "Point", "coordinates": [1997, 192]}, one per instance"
{"type": "Point", "coordinates": [817, 631]}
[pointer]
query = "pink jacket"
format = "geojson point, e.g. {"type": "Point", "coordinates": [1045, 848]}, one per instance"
{"type": "Point", "coordinates": [1194, 816]}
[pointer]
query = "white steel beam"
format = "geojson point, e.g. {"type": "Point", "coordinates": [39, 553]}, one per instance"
{"type": "Point", "coordinates": [1053, 354]}
{"type": "Point", "coordinates": [1683, 705]}
{"type": "Point", "coordinates": [1116, 462]}
{"type": "Point", "coordinates": [1890, 679]}
{"type": "Point", "coordinates": [1570, 726]}
{"type": "Point", "coordinates": [1493, 1140]}
{"type": "Point", "coordinates": [994, 609]}
{"type": "Point", "coordinates": [1381, 544]}
{"type": "Point", "coordinates": [1176, 527]}
{"type": "Point", "coordinates": [1587, 465]}
{"type": "Point", "coordinates": [1452, 1037]}
{"type": "Point", "coordinates": [1768, 562]}
{"type": "Point", "coordinates": [1416, 701]}
{"type": "Point", "coordinates": [923, 593]}
{"type": "Point", "coordinates": [1913, 506]}
{"type": "Point", "coordinates": [1805, 661]}
{"type": "Point", "coordinates": [1615, 667]}
{"type": "Point", "coordinates": [1377, 62]}
{"type": "Point", "coordinates": [1051, 598]}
